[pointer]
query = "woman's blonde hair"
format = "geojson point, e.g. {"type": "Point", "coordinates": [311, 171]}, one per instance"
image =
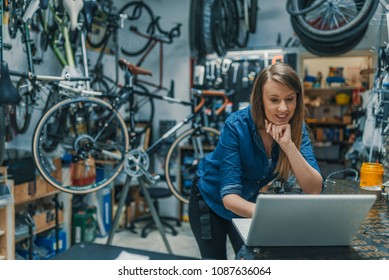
{"type": "Point", "coordinates": [282, 73]}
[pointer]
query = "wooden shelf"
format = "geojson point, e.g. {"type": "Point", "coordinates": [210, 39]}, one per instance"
{"type": "Point", "coordinates": [39, 230]}
{"type": "Point", "coordinates": [37, 197]}
{"type": "Point", "coordinates": [6, 222]}
{"type": "Point", "coordinates": [325, 122]}
{"type": "Point", "coordinates": [327, 91]}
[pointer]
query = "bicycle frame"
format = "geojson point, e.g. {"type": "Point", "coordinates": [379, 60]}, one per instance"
{"type": "Point", "coordinates": [166, 38]}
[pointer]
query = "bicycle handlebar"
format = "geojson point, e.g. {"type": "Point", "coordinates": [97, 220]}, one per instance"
{"type": "Point", "coordinates": [167, 37]}
{"type": "Point", "coordinates": [135, 70]}
{"type": "Point", "coordinates": [213, 93]}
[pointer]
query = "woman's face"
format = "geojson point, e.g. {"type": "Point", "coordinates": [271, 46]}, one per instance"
{"type": "Point", "coordinates": [279, 102]}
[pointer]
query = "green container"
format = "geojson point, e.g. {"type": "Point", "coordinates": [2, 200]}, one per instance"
{"type": "Point", "coordinates": [84, 226]}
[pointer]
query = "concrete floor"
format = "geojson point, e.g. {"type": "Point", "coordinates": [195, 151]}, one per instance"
{"type": "Point", "coordinates": [183, 244]}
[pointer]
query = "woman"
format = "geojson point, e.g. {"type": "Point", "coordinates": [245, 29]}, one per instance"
{"type": "Point", "coordinates": [268, 139]}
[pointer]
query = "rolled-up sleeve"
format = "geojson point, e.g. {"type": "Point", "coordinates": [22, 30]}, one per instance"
{"type": "Point", "coordinates": [231, 165]}
{"type": "Point", "coordinates": [307, 150]}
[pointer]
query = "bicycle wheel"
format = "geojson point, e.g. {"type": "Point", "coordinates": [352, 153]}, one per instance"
{"type": "Point", "coordinates": [98, 33]}
{"type": "Point", "coordinates": [339, 19]}
{"type": "Point", "coordinates": [2, 134]}
{"type": "Point", "coordinates": [20, 117]}
{"type": "Point", "coordinates": [196, 47]}
{"type": "Point", "coordinates": [139, 17]}
{"type": "Point", "coordinates": [183, 157]}
{"type": "Point", "coordinates": [88, 137]}
{"type": "Point", "coordinates": [15, 12]}
{"type": "Point", "coordinates": [243, 32]}
{"type": "Point", "coordinates": [252, 16]}
{"type": "Point", "coordinates": [144, 108]}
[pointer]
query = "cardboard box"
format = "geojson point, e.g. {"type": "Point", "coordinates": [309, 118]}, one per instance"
{"type": "Point", "coordinates": [22, 192]}
{"type": "Point", "coordinates": [40, 186]}
{"type": "Point", "coordinates": [46, 219]}
{"type": "Point", "coordinates": [30, 190]}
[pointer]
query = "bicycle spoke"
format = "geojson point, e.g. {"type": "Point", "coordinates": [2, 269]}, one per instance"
{"type": "Point", "coordinates": [183, 157]}
{"type": "Point", "coordinates": [91, 142]}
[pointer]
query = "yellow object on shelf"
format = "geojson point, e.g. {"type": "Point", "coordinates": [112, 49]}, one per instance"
{"type": "Point", "coordinates": [371, 176]}
{"type": "Point", "coordinates": [342, 99]}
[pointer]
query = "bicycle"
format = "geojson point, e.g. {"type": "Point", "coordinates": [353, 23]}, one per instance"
{"type": "Point", "coordinates": [137, 18]}
{"type": "Point", "coordinates": [327, 27]}
{"type": "Point", "coordinates": [220, 25]}
{"type": "Point", "coordinates": [96, 143]}
{"type": "Point", "coordinates": [9, 95]}
{"type": "Point", "coordinates": [101, 35]}
{"type": "Point", "coordinates": [33, 88]}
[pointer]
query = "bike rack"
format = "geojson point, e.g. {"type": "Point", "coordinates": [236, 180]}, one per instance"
{"type": "Point", "coordinates": [153, 211]}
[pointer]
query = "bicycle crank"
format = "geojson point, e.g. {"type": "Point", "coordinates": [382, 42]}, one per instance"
{"type": "Point", "coordinates": [137, 163]}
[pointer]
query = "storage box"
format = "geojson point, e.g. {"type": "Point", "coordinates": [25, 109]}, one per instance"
{"type": "Point", "coordinates": [5, 195]}
{"type": "Point", "coordinates": [48, 240]}
{"type": "Point", "coordinates": [30, 190]}
{"type": "Point", "coordinates": [46, 219]}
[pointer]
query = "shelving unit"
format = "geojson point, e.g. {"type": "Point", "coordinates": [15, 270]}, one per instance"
{"type": "Point", "coordinates": [56, 213]}
{"type": "Point", "coordinates": [330, 124]}
{"type": "Point", "coordinates": [49, 209]}
{"type": "Point", "coordinates": [7, 249]}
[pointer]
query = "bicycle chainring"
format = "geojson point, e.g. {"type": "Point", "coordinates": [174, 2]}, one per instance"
{"type": "Point", "coordinates": [136, 163]}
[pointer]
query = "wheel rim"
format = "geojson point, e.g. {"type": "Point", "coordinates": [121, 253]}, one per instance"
{"type": "Point", "coordinates": [335, 17]}
{"type": "Point", "coordinates": [179, 177]}
{"type": "Point", "coordinates": [139, 16]}
{"type": "Point", "coordinates": [91, 157]}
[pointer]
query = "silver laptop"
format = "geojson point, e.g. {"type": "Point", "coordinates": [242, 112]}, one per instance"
{"type": "Point", "coordinates": [305, 220]}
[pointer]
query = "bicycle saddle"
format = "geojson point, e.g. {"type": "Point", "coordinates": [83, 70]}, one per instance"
{"type": "Point", "coordinates": [9, 95]}
{"type": "Point", "coordinates": [89, 9]}
{"type": "Point", "coordinates": [73, 8]}
{"type": "Point", "coordinates": [44, 4]}
{"type": "Point", "coordinates": [31, 9]}
{"type": "Point", "coordinates": [135, 70]}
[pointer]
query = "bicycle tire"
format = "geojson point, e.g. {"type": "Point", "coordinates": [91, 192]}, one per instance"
{"type": "Point", "coordinates": [206, 27]}
{"type": "Point", "coordinates": [332, 48]}
{"type": "Point", "coordinates": [92, 140]}
{"type": "Point", "coordinates": [2, 134]}
{"type": "Point", "coordinates": [98, 34]}
{"type": "Point", "coordinates": [220, 27]}
{"type": "Point", "coordinates": [243, 32]}
{"type": "Point", "coordinates": [207, 138]}
{"type": "Point", "coordinates": [352, 17]}
{"type": "Point", "coordinates": [13, 19]}
{"type": "Point", "coordinates": [20, 118]}
{"type": "Point", "coordinates": [253, 12]}
{"type": "Point", "coordinates": [233, 23]}
{"type": "Point", "coordinates": [140, 16]}
{"type": "Point", "coordinates": [289, 8]}
{"type": "Point", "coordinates": [196, 48]}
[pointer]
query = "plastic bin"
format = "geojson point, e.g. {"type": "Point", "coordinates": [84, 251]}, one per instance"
{"type": "Point", "coordinates": [5, 195]}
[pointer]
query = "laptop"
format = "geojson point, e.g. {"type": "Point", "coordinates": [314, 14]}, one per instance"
{"type": "Point", "coordinates": [305, 220]}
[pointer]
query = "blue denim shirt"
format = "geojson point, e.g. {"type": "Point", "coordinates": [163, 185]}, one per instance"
{"type": "Point", "coordinates": [239, 164]}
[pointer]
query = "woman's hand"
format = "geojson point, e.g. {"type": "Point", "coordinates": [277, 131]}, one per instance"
{"type": "Point", "coordinates": [280, 133]}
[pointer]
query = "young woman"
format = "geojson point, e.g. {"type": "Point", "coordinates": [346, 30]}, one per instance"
{"type": "Point", "coordinates": [268, 139]}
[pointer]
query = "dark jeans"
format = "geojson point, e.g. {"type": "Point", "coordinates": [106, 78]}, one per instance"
{"type": "Point", "coordinates": [209, 229]}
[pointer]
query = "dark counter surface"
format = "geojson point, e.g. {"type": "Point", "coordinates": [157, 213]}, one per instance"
{"type": "Point", "coordinates": [371, 241]}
